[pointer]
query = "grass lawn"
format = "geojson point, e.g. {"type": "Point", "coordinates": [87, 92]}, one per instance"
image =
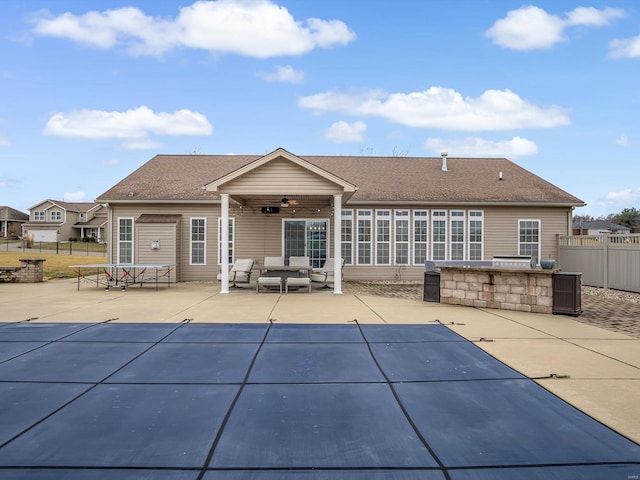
{"type": "Point", "coordinates": [55, 266]}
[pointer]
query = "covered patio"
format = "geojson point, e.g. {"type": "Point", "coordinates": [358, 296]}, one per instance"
{"type": "Point", "coordinates": [282, 182]}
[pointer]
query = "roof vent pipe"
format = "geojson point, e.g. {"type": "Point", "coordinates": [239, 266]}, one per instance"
{"type": "Point", "coordinates": [444, 161]}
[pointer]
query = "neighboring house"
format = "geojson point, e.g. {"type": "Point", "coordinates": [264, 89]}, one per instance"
{"type": "Point", "coordinates": [11, 221]}
{"type": "Point", "coordinates": [384, 215]}
{"type": "Point", "coordinates": [598, 227]}
{"type": "Point", "coordinates": [95, 226]}
{"type": "Point", "coordinates": [54, 221]}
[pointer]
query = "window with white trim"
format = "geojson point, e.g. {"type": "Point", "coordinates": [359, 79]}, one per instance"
{"type": "Point", "coordinates": [125, 240]}
{"type": "Point", "coordinates": [383, 237]}
{"type": "Point", "coordinates": [529, 238]}
{"type": "Point", "coordinates": [197, 241]}
{"type": "Point", "coordinates": [55, 216]}
{"type": "Point", "coordinates": [420, 236]}
{"type": "Point", "coordinates": [456, 246]}
{"type": "Point", "coordinates": [347, 237]}
{"type": "Point", "coordinates": [439, 234]}
{"type": "Point", "coordinates": [364, 219]}
{"type": "Point", "coordinates": [232, 232]}
{"type": "Point", "coordinates": [39, 216]}
{"type": "Point", "coordinates": [476, 234]}
{"type": "Point", "coordinates": [401, 237]}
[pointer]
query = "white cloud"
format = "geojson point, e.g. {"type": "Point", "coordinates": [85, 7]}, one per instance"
{"type": "Point", "coordinates": [343, 132]}
{"type": "Point", "coordinates": [442, 108]}
{"type": "Point", "coordinates": [625, 48]}
{"type": "Point", "coordinates": [592, 17]}
{"type": "Point", "coordinates": [133, 126]}
{"type": "Point", "coordinates": [527, 28]}
{"type": "Point", "coordinates": [531, 27]}
{"type": "Point", "coordinates": [623, 198]}
{"type": "Point", "coordinates": [623, 140]}
{"type": "Point", "coordinates": [286, 74]}
{"type": "Point", "coordinates": [74, 196]}
{"type": "Point", "coordinates": [479, 147]}
{"type": "Point", "coordinates": [255, 28]}
{"type": "Point", "coordinates": [4, 141]}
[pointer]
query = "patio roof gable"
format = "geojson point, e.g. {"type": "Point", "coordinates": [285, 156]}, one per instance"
{"type": "Point", "coordinates": [280, 172]}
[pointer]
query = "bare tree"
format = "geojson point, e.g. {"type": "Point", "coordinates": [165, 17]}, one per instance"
{"type": "Point", "coordinates": [396, 152]}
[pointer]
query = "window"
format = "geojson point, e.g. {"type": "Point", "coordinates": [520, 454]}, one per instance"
{"type": "Point", "coordinates": [231, 241]}
{"type": "Point", "coordinates": [347, 236]}
{"type": "Point", "coordinates": [197, 244]}
{"type": "Point", "coordinates": [55, 216]}
{"type": "Point", "coordinates": [39, 216]}
{"type": "Point", "coordinates": [476, 230]}
{"type": "Point", "coordinates": [529, 238]}
{"type": "Point", "coordinates": [457, 234]}
{"type": "Point", "coordinates": [363, 245]}
{"type": "Point", "coordinates": [401, 232]}
{"type": "Point", "coordinates": [420, 236]}
{"type": "Point", "coordinates": [439, 234]}
{"type": "Point", "coordinates": [383, 237]}
{"type": "Point", "coordinates": [125, 240]}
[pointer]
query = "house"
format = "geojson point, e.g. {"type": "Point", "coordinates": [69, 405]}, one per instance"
{"type": "Point", "coordinates": [11, 221]}
{"type": "Point", "coordinates": [55, 221]}
{"type": "Point", "coordinates": [383, 215]}
{"type": "Point", "coordinates": [598, 227]}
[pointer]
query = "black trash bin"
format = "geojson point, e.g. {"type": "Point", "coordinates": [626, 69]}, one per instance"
{"type": "Point", "coordinates": [431, 286]}
{"type": "Point", "coordinates": [567, 294]}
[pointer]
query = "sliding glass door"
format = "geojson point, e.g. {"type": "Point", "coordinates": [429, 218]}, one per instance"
{"type": "Point", "coordinates": [306, 238]}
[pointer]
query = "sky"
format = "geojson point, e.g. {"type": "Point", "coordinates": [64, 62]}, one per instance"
{"type": "Point", "coordinates": [90, 91]}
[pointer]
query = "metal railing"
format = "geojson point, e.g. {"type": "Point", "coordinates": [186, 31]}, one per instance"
{"type": "Point", "coordinates": [56, 248]}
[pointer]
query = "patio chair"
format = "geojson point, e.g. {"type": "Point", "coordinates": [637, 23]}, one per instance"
{"type": "Point", "coordinates": [270, 281]}
{"type": "Point", "coordinates": [240, 272]}
{"type": "Point", "coordinates": [326, 273]}
{"type": "Point", "coordinates": [302, 279]}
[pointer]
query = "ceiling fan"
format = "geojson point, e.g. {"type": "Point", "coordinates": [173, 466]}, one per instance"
{"type": "Point", "coordinates": [285, 202]}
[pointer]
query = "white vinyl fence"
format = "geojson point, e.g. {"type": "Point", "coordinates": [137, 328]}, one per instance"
{"type": "Point", "coordinates": [608, 261]}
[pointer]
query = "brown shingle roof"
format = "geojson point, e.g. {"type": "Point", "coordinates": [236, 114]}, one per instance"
{"type": "Point", "coordinates": [387, 179]}
{"type": "Point", "coordinates": [11, 214]}
{"type": "Point", "coordinates": [94, 222]}
{"type": "Point", "coordinates": [75, 206]}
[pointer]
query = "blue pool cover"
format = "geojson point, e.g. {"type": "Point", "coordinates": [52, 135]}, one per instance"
{"type": "Point", "coordinates": [294, 402]}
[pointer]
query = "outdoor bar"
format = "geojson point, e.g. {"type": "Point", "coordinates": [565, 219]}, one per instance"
{"type": "Point", "coordinates": [525, 290]}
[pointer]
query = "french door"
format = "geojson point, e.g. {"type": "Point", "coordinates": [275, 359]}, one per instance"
{"type": "Point", "coordinates": [306, 238]}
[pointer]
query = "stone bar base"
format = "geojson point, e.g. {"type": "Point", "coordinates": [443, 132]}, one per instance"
{"type": "Point", "coordinates": [31, 270]}
{"type": "Point", "coordinates": [500, 288]}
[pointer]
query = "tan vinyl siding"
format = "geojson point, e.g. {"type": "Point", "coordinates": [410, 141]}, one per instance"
{"type": "Point", "coordinates": [185, 272]}
{"type": "Point", "coordinates": [166, 234]}
{"type": "Point", "coordinates": [258, 235]}
{"type": "Point", "coordinates": [501, 229]}
{"type": "Point", "coordinates": [280, 177]}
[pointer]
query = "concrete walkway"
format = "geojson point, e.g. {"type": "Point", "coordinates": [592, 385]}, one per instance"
{"type": "Point", "coordinates": [594, 369]}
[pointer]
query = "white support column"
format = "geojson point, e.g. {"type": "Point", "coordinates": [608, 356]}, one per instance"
{"type": "Point", "coordinates": [337, 244]}
{"type": "Point", "coordinates": [224, 240]}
